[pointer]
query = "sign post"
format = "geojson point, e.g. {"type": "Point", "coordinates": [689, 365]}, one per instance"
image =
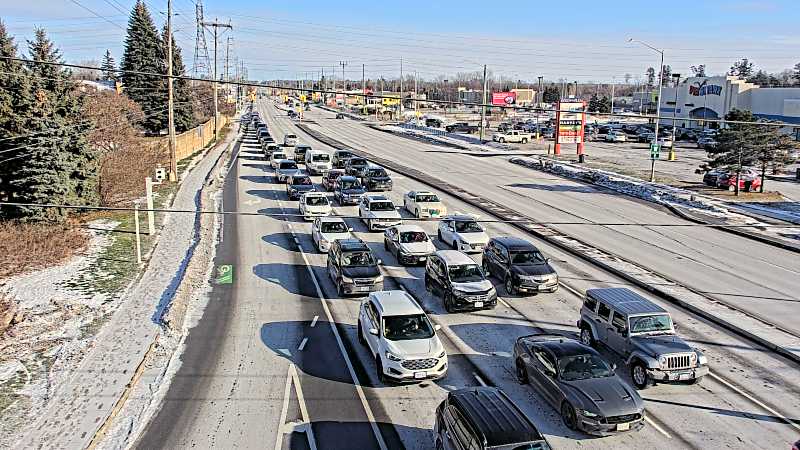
{"type": "Point", "coordinates": [654, 155]}
{"type": "Point", "coordinates": [570, 121]}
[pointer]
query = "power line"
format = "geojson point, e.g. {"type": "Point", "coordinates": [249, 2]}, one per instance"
{"type": "Point", "coordinates": [98, 15]}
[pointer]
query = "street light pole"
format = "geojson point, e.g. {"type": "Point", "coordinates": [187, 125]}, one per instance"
{"type": "Point", "coordinates": [658, 104]}
{"type": "Point", "coordinates": [672, 156]}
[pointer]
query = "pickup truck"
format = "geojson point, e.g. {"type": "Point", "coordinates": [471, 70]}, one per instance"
{"type": "Point", "coordinates": [461, 127]}
{"type": "Point", "coordinates": [512, 136]}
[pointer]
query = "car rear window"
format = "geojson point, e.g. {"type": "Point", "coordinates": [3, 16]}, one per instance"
{"type": "Point", "coordinates": [288, 165]}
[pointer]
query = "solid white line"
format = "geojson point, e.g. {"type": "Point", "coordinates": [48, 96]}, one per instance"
{"type": "Point", "coordinates": [754, 400]}
{"type": "Point", "coordinates": [658, 428]}
{"type": "Point", "coordinates": [314, 322]}
{"type": "Point", "coordinates": [503, 302]}
{"type": "Point", "coordinates": [303, 344]}
{"type": "Point", "coordinates": [359, 389]}
{"type": "Point", "coordinates": [480, 380]}
{"type": "Point", "coordinates": [284, 409]}
{"type": "Point", "coordinates": [571, 289]}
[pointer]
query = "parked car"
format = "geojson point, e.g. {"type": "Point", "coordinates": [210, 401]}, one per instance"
{"type": "Point", "coordinates": [398, 332]}
{"type": "Point", "coordinates": [616, 136]}
{"type": "Point", "coordinates": [340, 158]}
{"type": "Point", "coordinates": [317, 161]}
{"type": "Point", "coordinates": [339, 116]}
{"type": "Point", "coordinates": [504, 126]}
{"type": "Point", "coordinates": [707, 143]}
{"type": "Point", "coordinates": [483, 418]}
{"type": "Point", "coordinates": [285, 169]}
{"type": "Point", "coordinates": [325, 230]}
{"type": "Point", "coordinates": [578, 383]}
{"type": "Point", "coordinates": [424, 204]}
{"type": "Point", "coordinates": [462, 232]}
{"type": "Point", "coordinates": [646, 137]}
{"type": "Point", "coordinates": [356, 166]}
{"type": "Point", "coordinates": [461, 127]}
{"type": "Point", "coordinates": [665, 142]}
{"type": "Point", "coordinates": [378, 212]}
{"type": "Point", "coordinates": [289, 140]}
{"type": "Point", "coordinates": [459, 281]}
{"type": "Point", "coordinates": [376, 178]}
{"type": "Point", "coordinates": [353, 267]}
{"type": "Point", "coordinates": [298, 184]}
{"type": "Point", "coordinates": [348, 190]}
{"type": "Point", "coordinates": [409, 243]}
{"type": "Point", "coordinates": [749, 180]}
{"type": "Point", "coordinates": [434, 123]}
{"type": "Point", "coordinates": [520, 265]}
{"type": "Point", "coordinates": [329, 178]}
{"type": "Point", "coordinates": [512, 136]}
{"type": "Point", "coordinates": [643, 334]}
{"type": "Point", "coordinates": [314, 204]}
{"type": "Point", "coordinates": [277, 157]}
{"type": "Point", "coordinates": [712, 177]}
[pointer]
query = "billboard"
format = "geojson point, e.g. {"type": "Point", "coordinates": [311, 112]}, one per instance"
{"type": "Point", "coordinates": [570, 118]}
{"type": "Point", "coordinates": [504, 98]}
{"type": "Point", "coordinates": [390, 101]}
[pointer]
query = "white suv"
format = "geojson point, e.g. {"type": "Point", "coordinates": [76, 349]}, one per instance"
{"type": "Point", "coordinates": [290, 140]}
{"type": "Point", "coordinates": [314, 204]}
{"type": "Point", "coordinates": [401, 338]}
{"type": "Point", "coordinates": [378, 212]}
{"type": "Point", "coordinates": [462, 232]}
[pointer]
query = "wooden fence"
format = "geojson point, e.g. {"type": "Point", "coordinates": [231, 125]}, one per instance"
{"type": "Point", "coordinates": [189, 142]}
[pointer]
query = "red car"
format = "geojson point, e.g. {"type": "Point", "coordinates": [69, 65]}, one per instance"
{"type": "Point", "coordinates": [748, 177]}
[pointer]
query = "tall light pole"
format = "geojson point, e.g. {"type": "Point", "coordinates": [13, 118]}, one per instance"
{"type": "Point", "coordinates": [613, 83]}
{"type": "Point", "coordinates": [483, 108]}
{"type": "Point", "coordinates": [677, 78]}
{"type": "Point", "coordinates": [173, 156]}
{"type": "Point", "coordinates": [658, 105]}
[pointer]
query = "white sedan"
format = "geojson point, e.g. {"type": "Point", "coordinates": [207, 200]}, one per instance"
{"type": "Point", "coordinates": [424, 204]}
{"type": "Point", "coordinates": [463, 233]}
{"type": "Point", "coordinates": [325, 230]}
{"type": "Point", "coordinates": [314, 204]}
{"type": "Point", "coordinates": [409, 243]}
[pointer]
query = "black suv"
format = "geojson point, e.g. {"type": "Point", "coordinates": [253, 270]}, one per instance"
{"type": "Point", "coordinates": [483, 418]}
{"type": "Point", "coordinates": [347, 190]}
{"type": "Point", "coordinates": [376, 179]}
{"type": "Point", "coordinates": [356, 166]}
{"type": "Point", "coordinates": [340, 158]}
{"type": "Point", "coordinates": [520, 265]}
{"type": "Point", "coordinates": [353, 267]}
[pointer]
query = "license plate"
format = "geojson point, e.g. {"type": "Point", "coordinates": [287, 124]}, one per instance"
{"type": "Point", "coordinates": [420, 375]}
{"type": "Point", "coordinates": [362, 289]}
{"type": "Point", "coordinates": [479, 304]}
{"type": "Point", "coordinates": [623, 426]}
{"type": "Point", "coordinates": [683, 376]}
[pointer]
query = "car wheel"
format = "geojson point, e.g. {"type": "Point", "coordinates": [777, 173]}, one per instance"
{"type": "Point", "coordinates": [586, 336]}
{"type": "Point", "coordinates": [428, 286]}
{"type": "Point", "coordinates": [568, 416]}
{"type": "Point", "coordinates": [501, 140]}
{"type": "Point", "coordinates": [339, 288]}
{"type": "Point", "coordinates": [510, 289]}
{"type": "Point", "coordinates": [439, 235]}
{"type": "Point", "coordinates": [524, 141]}
{"type": "Point", "coordinates": [369, 225]}
{"type": "Point", "coordinates": [486, 268]}
{"type": "Point", "coordinates": [522, 372]}
{"type": "Point", "coordinates": [731, 188]}
{"type": "Point", "coordinates": [447, 300]}
{"type": "Point", "coordinates": [639, 376]}
{"type": "Point", "coordinates": [379, 368]}
{"type": "Point", "coordinates": [439, 445]}
{"type": "Point", "coordinates": [416, 213]}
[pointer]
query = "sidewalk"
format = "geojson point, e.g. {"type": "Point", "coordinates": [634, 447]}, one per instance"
{"type": "Point", "coordinates": [79, 406]}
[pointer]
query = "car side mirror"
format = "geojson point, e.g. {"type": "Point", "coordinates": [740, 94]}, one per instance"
{"type": "Point", "coordinates": [437, 327]}
{"type": "Point", "coordinates": [547, 260]}
{"type": "Point", "coordinates": [380, 262]}
{"type": "Point", "coordinates": [349, 228]}
{"type": "Point", "coordinates": [373, 331]}
{"type": "Point", "coordinates": [614, 367]}
{"type": "Point", "coordinates": [674, 325]}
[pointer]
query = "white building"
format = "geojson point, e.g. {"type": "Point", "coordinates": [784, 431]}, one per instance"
{"type": "Point", "coordinates": [713, 97]}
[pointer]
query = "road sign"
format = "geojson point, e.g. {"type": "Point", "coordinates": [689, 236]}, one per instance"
{"type": "Point", "coordinates": [224, 274]}
{"type": "Point", "coordinates": [654, 150]}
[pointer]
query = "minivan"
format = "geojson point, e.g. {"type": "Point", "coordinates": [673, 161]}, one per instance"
{"type": "Point", "coordinates": [353, 267]}
{"type": "Point", "coordinates": [317, 161]}
{"type": "Point", "coordinates": [460, 282]}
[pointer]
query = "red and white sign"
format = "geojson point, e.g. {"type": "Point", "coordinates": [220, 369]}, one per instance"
{"type": "Point", "coordinates": [504, 98]}
{"type": "Point", "coordinates": [570, 121]}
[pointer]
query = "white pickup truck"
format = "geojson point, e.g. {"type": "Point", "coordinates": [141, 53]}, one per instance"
{"type": "Point", "coordinates": [512, 136]}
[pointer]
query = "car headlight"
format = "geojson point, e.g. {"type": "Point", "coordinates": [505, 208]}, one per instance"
{"type": "Point", "coordinates": [492, 292]}
{"type": "Point", "coordinates": [701, 358]}
{"type": "Point", "coordinates": [405, 251]}
{"type": "Point", "coordinates": [662, 361]}
{"type": "Point", "coordinates": [324, 242]}
{"type": "Point", "coordinates": [346, 279]}
{"type": "Point", "coordinates": [392, 357]}
{"type": "Point", "coordinates": [586, 413]}
{"type": "Point", "coordinates": [379, 279]}
{"type": "Point", "coordinates": [462, 241]}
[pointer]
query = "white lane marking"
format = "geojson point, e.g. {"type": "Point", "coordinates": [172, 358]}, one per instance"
{"type": "Point", "coordinates": [314, 322]}
{"type": "Point", "coordinates": [303, 344]}
{"type": "Point", "coordinates": [359, 389]}
{"type": "Point", "coordinates": [754, 400]}
{"type": "Point", "coordinates": [479, 379]}
{"type": "Point", "coordinates": [574, 291]}
{"type": "Point", "coordinates": [502, 354]}
{"type": "Point", "coordinates": [503, 302]}
{"type": "Point", "coordinates": [285, 351]}
{"type": "Point", "coordinates": [293, 379]}
{"type": "Point", "coordinates": [658, 428]}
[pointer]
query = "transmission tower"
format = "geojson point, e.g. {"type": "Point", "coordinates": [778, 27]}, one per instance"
{"type": "Point", "coordinates": [202, 65]}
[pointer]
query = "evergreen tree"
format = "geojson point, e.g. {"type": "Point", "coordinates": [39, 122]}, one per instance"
{"type": "Point", "coordinates": [59, 167]}
{"type": "Point", "coordinates": [651, 76]}
{"type": "Point", "coordinates": [797, 73]}
{"type": "Point", "coordinates": [108, 67]}
{"type": "Point", "coordinates": [742, 69]}
{"type": "Point", "coordinates": [181, 91]}
{"type": "Point", "coordinates": [14, 91]}
{"type": "Point", "coordinates": [551, 94]}
{"type": "Point", "coordinates": [144, 53]}
{"type": "Point", "coordinates": [761, 78]}
{"type": "Point", "coordinates": [699, 70]}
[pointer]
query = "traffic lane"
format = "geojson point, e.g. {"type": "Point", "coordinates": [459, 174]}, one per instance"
{"type": "Point", "coordinates": [553, 199]}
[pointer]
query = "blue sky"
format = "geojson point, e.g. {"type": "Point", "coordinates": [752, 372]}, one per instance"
{"type": "Point", "coordinates": [520, 39]}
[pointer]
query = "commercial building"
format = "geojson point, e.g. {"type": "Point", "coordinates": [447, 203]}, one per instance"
{"type": "Point", "coordinates": [525, 97]}
{"type": "Point", "coordinates": [699, 98]}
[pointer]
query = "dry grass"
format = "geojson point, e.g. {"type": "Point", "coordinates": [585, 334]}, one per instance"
{"type": "Point", "coordinates": [25, 247]}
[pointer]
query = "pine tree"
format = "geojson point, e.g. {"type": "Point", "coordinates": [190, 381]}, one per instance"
{"type": "Point", "coordinates": [108, 67]}
{"type": "Point", "coordinates": [551, 94]}
{"type": "Point", "coordinates": [14, 90]}
{"type": "Point", "coordinates": [60, 166]}
{"type": "Point", "coordinates": [144, 53]}
{"type": "Point", "coordinates": [742, 69]}
{"type": "Point", "coordinates": [182, 96]}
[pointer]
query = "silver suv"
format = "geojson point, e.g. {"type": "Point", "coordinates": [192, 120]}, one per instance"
{"type": "Point", "coordinates": [643, 333]}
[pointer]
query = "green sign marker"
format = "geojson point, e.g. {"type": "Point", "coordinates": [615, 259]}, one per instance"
{"type": "Point", "coordinates": [225, 274]}
{"type": "Point", "coordinates": [654, 151]}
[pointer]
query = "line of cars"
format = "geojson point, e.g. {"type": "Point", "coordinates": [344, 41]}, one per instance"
{"type": "Point", "coordinates": [570, 374]}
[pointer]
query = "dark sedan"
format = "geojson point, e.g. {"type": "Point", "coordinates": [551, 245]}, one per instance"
{"type": "Point", "coordinates": [578, 383]}
{"type": "Point", "coordinates": [297, 185]}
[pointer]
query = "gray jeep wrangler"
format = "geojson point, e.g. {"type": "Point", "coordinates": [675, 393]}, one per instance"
{"type": "Point", "coordinates": [643, 334]}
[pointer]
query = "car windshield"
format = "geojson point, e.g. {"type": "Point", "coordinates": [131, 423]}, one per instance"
{"type": "Point", "coordinates": [465, 273]}
{"type": "Point", "coordinates": [321, 158]}
{"type": "Point", "coordinates": [358, 162]}
{"type": "Point", "coordinates": [279, 155]}
{"type": "Point", "coordinates": [404, 328]}
{"type": "Point", "coordinates": [344, 155]}
{"type": "Point", "coordinates": [377, 173]}
{"type": "Point", "coordinates": [381, 206]}
{"type": "Point", "coordinates": [427, 198]}
{"type": "Point", "coordinates": [583, 367]}
{"type": "Point", "coordinates": [653, 323]}
{"type": "Point", "coordinates": [291, 136]}
{"type": "Point", "coordinates": [527, 257]}
{"type": "Point", "coordinates": [317, 200]}
{"type": "Point", "coordinates": [289, 165]}
{"type": "Point", "coordinates": [351, 185]}
{"type": "Point", "coordinates": [410, 237]}
{"type": "Point", "coordinates": [357, 259]}
{"type": "Point", "coordinates": [468, 226]}
{"type": "Point", "coordinates": [333, 227]}
{"type": "Point", "coordinates": [301, 181]}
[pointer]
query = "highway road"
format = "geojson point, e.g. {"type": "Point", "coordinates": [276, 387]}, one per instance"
{"type": "Point", "coordinates": [275, 363]}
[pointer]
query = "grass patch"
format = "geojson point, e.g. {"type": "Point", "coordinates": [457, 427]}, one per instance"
{"type": "Point", "coordinates": [26, 246]}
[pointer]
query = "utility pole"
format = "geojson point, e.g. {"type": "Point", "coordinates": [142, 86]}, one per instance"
{"type": "Point", "coordinates": [416, 104]}
{"type": "Point", "coordinates": [344, 86]}
{"type": "Point", "coordinates": [483, 107]}
{"type": "Point", "coordinates": [364, 87]}
{"type": "Point", "coordinates": [216, 26]}
{"type": "Point", "coordinates": [401, 89]}
{"type": "Point", "coordinates": [227, 58]}
{"type": "Point", "coordinates": [613, 83]}
{"type": "Point", "coordinates": [173, 156]}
